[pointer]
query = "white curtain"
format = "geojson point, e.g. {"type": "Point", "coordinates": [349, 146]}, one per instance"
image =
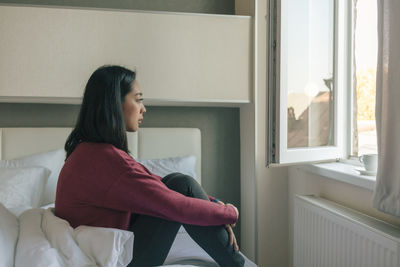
{"type": "Point", "coordinates": [387, 190]}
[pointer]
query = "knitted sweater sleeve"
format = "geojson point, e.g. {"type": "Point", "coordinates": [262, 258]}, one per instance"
{"type": "Point", "coordinates": [140, 192]}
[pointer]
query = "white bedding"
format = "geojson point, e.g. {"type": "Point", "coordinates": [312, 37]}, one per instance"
{"type": "Point", "coordinates": [185, 252]}
{"type": "Point", "coordinates": [46, 240]}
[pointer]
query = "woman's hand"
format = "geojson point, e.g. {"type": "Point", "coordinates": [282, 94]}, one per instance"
{"type": "Point", "coordinates": [228, 227]}
{"type": "Point", "coordinates": [237, 213]}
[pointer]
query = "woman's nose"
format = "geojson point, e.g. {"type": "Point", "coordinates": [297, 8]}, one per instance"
{"type": "Point", "coordinates": [143, 109]}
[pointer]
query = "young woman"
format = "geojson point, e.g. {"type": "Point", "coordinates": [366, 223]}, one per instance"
{"type": "Point", "coordinates": [102, 185]}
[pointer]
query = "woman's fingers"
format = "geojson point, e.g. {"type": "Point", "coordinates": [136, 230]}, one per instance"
{"type": "Point", "coordinates": [232, 237]}
{"type": "Point", "coordinates": [230, 233]}
{"type": "Point", "coordinates": [235, 245]}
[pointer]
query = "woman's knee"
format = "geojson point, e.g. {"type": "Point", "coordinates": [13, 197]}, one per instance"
{"type": "Point", "coordinates": [178, 181]}
{"type": "Point", "coordinates": [185, 185]}
{"type": "Point", "coordinates": [170, 176]}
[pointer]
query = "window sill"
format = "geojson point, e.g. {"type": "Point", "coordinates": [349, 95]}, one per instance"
{"type": "Point", "coordinates": [341, 171]}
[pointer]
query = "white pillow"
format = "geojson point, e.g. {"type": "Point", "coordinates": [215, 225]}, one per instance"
{"type": "Point", "coordinates": [52, 160]}
{"type": "Point", "coordinates": [9, 229]}
{"type": "Point", "coordinates": [108, 246]}
{"type": "Point", "coordinates": [163, 167]}
{"type": "Point", "coordinates": [88, 245]}
{"type": "Point", "coordinates": [21, 188]}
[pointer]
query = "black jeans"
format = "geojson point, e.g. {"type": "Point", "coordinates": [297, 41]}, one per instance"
{"type": "Point", "coordinates": [154, 236]}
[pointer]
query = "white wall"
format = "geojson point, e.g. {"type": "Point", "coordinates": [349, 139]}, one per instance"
{"type": "Point", "coordinates": [305, 183]}
{"type": "Point", "coordinates": [271, 183]}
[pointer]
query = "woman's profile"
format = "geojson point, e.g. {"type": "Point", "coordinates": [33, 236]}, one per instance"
{"type": "Point", "coordinates": [102, 185]}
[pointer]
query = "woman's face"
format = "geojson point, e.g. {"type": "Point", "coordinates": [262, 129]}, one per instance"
{"type": "Point", "coordinates": [133, 108]}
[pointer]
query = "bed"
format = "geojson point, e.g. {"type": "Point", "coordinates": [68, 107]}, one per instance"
{"type": "Point", "coordinates": [30, 234]}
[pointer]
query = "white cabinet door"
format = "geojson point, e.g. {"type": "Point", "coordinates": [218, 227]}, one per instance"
{"type": "Point", "coordinates": [49, 53]}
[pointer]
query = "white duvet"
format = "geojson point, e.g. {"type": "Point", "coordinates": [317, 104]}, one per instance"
{"type": "Point", "coordinates": [46, 240]}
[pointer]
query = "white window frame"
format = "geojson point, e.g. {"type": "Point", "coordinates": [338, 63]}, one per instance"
{"type": "Point", "coordinates": [277, 150]}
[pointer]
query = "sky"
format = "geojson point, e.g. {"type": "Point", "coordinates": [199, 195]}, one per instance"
{"type": "Point", "coordinates": [366, 34]}
{"type": "Point", "coordinates": [307, 45]}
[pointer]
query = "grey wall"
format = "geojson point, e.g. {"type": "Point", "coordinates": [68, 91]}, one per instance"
{"type": "Point", "coordinates": [220, 134]}
{"type": "Point", "coordinates": [195, 6]}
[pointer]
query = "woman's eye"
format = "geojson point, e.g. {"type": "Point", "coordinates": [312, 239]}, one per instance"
{"type": "Point", "coordinates": [140, 100]}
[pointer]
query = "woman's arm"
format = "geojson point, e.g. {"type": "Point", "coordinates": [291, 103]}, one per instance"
{"type": "Point", "coordinates": [139, 192]}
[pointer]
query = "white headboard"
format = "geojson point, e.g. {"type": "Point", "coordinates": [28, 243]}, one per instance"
{"type": "Point", "coordinates": [147, 143]}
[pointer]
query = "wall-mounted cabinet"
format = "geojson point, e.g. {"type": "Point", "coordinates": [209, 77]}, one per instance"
{"type": "Point", "coordinates": [47, 54]}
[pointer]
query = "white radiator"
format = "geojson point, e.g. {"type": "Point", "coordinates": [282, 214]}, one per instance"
{"type": "Point", "coordinates": [329, 235]}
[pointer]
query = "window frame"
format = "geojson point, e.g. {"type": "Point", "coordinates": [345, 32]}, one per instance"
{"type": "Point", "coordinates": [350, 93]}
{"type": "Point", "coordinates": [277, 151]}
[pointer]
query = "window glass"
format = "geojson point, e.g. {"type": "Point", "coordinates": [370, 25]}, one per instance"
{"type": "Point", "coordinates": [307, 75]}
{"type": "Point", "coordinates": [365, 53]}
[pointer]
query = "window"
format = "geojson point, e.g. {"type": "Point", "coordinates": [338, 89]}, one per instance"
{"type": "Point", "coordinates": [322, 61]}
{"type": "Point", "coordinates": [309, 70]}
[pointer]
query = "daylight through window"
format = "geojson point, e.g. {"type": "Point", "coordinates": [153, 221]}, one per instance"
{"type": "Point", "coordinates": [365, 73]}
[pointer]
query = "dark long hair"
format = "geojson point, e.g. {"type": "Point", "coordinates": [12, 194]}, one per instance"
{"type": "Point", "coordinates": [101, 117]}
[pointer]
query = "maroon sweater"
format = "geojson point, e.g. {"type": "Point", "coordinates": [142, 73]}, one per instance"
{"type": "Point", "coordinates": [101, 185]}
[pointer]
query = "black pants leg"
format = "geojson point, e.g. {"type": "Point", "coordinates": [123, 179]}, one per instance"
{"type": "Point", "coordinates": [154, 236]}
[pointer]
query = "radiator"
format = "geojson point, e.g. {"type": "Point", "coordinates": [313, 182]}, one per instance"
{"type": "Point", "coordinates": [329, 235]}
